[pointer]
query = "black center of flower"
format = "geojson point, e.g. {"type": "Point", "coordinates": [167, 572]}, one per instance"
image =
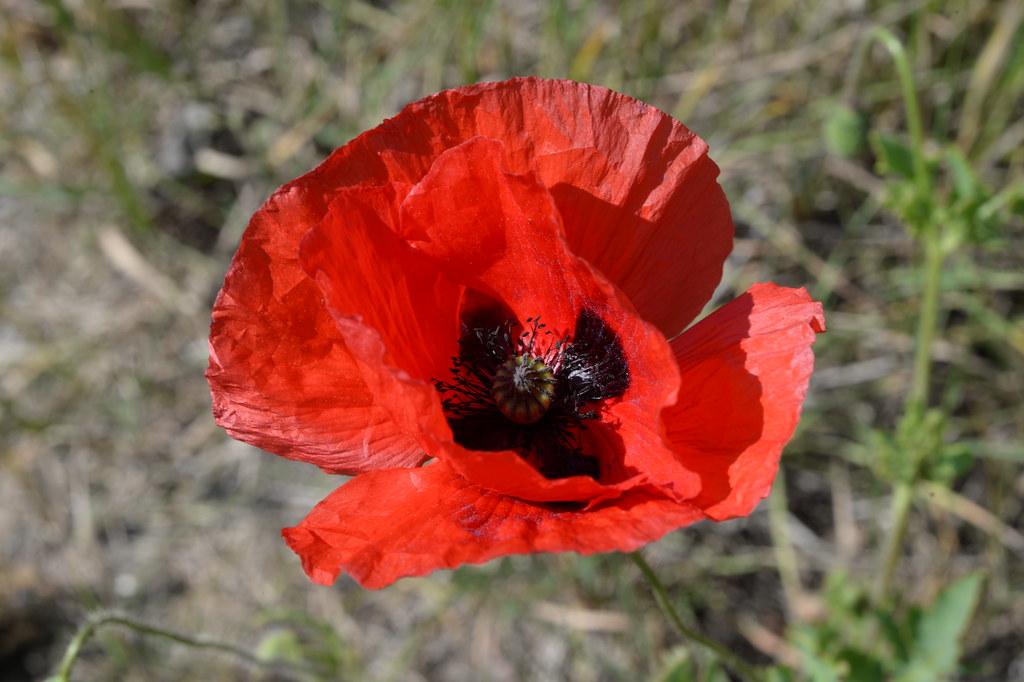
{"type": "Point", "coordinates": [528, 391]}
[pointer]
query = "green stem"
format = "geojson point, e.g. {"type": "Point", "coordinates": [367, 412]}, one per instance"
{"type": "Point", "coordinates": [99, 619]}
{"type": "Point", "coordinates": [740, 667]}
{"type": "Point", "coordinates": [914, 122]}
{"type": "Point", "coordinates": [927, 325]}
{"type": "Point", "coordinates": [914, 409]}
{"type": "Point", "coordinates": [917, 399]}
{"type": "Point", "coordinates": [902, 500]}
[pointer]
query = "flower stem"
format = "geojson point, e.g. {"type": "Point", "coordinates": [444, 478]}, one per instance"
{"type": "Point", "coordinates": [916, 403]}
{"type": "Point", "coordinates": [927, 324]}
{"type": "Point", "coordinates": [101, 618]}
{"type": "Point", "coordinates": [902, 499]}
{"type": "Point", "coordinates": [914, 408]}
{"type": "Point", "coordinates": [740, 667]}
{"type": "Point", "coordinates": [914, 122]}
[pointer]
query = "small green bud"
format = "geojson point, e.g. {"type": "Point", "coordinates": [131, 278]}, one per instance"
{"type": "Point", "coordinates": [845, 130]}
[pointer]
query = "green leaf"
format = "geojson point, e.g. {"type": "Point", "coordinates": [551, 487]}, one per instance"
{"type": "Point", "coordinates": [861, 667]}
{"type": "Point", "coordinates": [895, 634]}
{"type": "Point", "coordinates": [297, 637]}
{"type": "Point", "coordinates": [965, 182]}
{"type": "Point", "coordinates": [949, 464]}
{"type": "Point", "coordinates": [280, 645]}
{"type": "Point", "coordinates": [816, 664]}
{"type": "Point", "coordinates": [679, 666]}
{"type": "Point", "coordinates": [778, 674]}
{"type": "Point", "coordinates": [939, 630]}
{"type": "Point", "coordinates": [894, 156]}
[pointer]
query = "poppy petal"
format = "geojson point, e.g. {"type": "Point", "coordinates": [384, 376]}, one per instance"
{"type": "Point", "coordinates": [636, 190]}
{"type": "Point", "coordinates": [744, 372]}
{"type": "Point", "coordinates": [497, 232]}
{"type": "Point", "coordinates": [385, 525]}
{"type": "Point", "coordinates": [370, 277]}
{"type": "Point", "coordinates": [500, 233]}
{"type": "Point", "coordinates": [281, 375]}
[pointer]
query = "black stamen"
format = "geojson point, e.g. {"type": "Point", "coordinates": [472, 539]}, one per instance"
{"type": "Point", "coordinates": [593, 366]}
{"type": "Point", "coordinates": [567, 381]}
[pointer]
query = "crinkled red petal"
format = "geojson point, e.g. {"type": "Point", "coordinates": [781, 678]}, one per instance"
{"type": "Point", "coordinates": [371, 277]}
{"type": "Point", "coordinates": [635, 188]}
{"type": "Point", "coordinates": [281, 376]}
{"type": "Point", "coordinates": [385, 525]}
{"type": "Point", "coordinates": [500, 233]}
{"type": "Point", "coordinates": [636, 192]}
{"type": "Point", "coordinates": [744, 371]}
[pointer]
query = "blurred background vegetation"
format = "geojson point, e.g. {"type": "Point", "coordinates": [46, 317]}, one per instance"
{"type": "Point", "coordinates": [137, 136]}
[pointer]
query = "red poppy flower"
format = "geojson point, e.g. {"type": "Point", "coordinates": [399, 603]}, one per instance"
{"type": "Point", "coordinates": [475, 308]}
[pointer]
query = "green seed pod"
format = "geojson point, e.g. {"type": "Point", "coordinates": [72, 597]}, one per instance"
{"type": "Point", "coordinates": [523, 388]}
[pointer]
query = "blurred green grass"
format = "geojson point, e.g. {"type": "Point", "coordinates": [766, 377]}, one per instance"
{"type": "Point", "coordinates": [139, 135]}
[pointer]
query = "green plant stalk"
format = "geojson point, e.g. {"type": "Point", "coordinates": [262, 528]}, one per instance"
{"type": "Point", "coordinates": [927, 326]}
{"type": "Point", "coordinates": [902, 501]}
{"type": "Point", "coordinates": [914, 408]}
{"type": "Point", "coordinates": [915, 124]}
{"type": "Point", "coordinates": [101, 618]}
{"type": "Point", "coordinates": [917, 399]}
{"type": "Point", "coordinates": [740, 667]}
